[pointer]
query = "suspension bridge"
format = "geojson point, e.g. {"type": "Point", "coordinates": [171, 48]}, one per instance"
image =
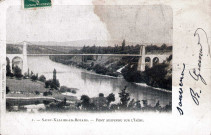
{"type": "Point", "coordinates": [143, 57]}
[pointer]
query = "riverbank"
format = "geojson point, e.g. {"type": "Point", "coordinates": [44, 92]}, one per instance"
{"type": "Point", "coordinates": [93, 73]}
{"type": "Point", "coordinates": [159, 89]}
{"type": "Point", "coordinates": [105, 65]}
{"type": "Point", "coordinates": [93, 84]}
{"type": "Point", "coordinates": [158, 77]}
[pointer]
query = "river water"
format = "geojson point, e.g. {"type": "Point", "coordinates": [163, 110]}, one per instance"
{"type": "Point", "coordinates": [92, 84]}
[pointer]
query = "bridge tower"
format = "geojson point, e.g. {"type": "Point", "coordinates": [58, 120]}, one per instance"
{"type": "Point", "coordinates": [25, 63]}
{"type": "Point", "coordinates": [141, 61]}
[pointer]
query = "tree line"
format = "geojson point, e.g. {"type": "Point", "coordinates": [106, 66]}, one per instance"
{"type": "Point", "coordinates": [102, 103]}
{"type": "Point", "coordinates": [123, 49]}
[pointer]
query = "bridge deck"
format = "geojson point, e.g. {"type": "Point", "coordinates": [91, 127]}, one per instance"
{"type": "Point", "coordinates": [120, 55]}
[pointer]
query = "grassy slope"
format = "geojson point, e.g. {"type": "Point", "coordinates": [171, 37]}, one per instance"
{"type": "Point", "coordinates": [28, 88]}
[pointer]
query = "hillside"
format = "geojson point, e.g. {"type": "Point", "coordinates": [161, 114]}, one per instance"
{"type": "Point", "coordinates": [39, 49]}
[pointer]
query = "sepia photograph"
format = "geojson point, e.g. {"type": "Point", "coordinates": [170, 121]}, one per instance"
{"type": "Point", "coordinates": [81, 58]}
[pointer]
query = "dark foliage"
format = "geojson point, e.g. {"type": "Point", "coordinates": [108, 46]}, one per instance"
{"type": "Point", "coordinates": [66, 89]}
{"type": "Point", "coordinates": [13, 49]}
{"type": "Point", "coordinates": [85, 102]}
{"type": "Point", "coordinates": [34, 78]}
{"type": "Point", "coordinates": [101, 95]}
{"type": "Point", "coordinates": [47, 84]}
{"type": "Point", "coordinates": [8, 70]}
{"type": "Point", "coordinates": [17, 72]}
{"type": "Point", "coordinates": [110, 98]}
{"type": "Point", "coordinates": [7, 90]}
{"type": "Point", "coordinates": [124, 98]}
{"type": "Point", "coordinates": [37, 92]}
{"type": "Point", "coordinates": [52, 84]}
{"type": "Point", "coordinates": [156, 76]}
{"type": "Point", "coordinates": [42, 78]}
{"type": "Point", "coordinates": [47, 93]}
{"type": "Point", "coordinates": [169, 58]}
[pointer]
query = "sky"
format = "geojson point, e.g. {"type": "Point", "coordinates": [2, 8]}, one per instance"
{"type": "Point", "coordinates": [141, 24]}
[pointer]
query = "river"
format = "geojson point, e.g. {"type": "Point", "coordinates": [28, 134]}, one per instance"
{"type": "Point", "coordinates": [92, 84]}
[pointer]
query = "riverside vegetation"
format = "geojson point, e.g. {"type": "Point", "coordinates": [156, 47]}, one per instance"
{"type": "Point", "coordinates": [159, 76]}
{"type": "Point", "coordinates": [63, 103]}
{"type": "Point", "coordinates": [50, 93]}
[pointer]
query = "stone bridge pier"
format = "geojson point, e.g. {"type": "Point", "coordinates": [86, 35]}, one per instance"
{"type": "Point", "coordinates": [150, 59]}
{"type": "Point", "coordinates": [22, 57]}
{"type": "Point", "coordinates": [141, 61]}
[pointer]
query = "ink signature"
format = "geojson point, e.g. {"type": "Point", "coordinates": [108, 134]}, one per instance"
{"type": "Point", "coordinates": [195, 74]}
{"type": "Point", "coordinates": [181, 91]}
{"type": "Point", "coordinates": [195, 96]}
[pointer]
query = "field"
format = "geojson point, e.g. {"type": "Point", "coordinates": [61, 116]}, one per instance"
{"type": "Point", "coordinates": [26, 89]}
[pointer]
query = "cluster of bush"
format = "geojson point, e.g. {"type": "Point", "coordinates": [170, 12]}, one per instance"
{"type": "Point", "coordinates": [104, 71]}
{"type": "Point", "coordinates": [16, 72]}
{"type": "Point", "coordinates": [47, 93]}
{"type": "Point", "coordinates": [52, 84]}
{"type": "Point", "coordinates": [160, 75]}
{"type": "Point", "coordinates": [66, 89]}
{"type": "Point", "coordinates": [7, 90]}
{"type": "Point", "coordinates": [104, 103]}
{"type": "Point", "coordinates": [55, 105]}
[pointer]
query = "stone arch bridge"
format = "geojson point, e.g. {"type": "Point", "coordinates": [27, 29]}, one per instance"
{"type": "Point", "coordinates": [151, 59]}
{"type": "Point", "coordinates": [10, 58]}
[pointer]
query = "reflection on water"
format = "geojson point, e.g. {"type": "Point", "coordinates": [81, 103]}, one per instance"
{"type": "Point", "coordinates": [92, 84]}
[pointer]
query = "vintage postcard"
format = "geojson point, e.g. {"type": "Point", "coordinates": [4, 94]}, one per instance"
{"type": "Point", "coordinates": [105, 67]}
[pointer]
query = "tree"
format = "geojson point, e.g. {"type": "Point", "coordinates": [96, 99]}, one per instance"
{"type": "Point", "coordinates": [47, 93]}
{"type": "Point", "coordinates": [110, 98]}
{"type": "Point", "coordinates": [131, 104]}
{"type": "Point", "coordinates": [7, 90]}
{"type": "Point", "coordinates": [169, 58]}
{"type": "Point", "coordinates": [65, 100]}
{"type": "Point", "coordinates": [54, 76]}
{"type": "Point", "coordinates": [158, 104]}
{"type": "Point", "coordinates": [145, 103]}
{"type": "Point", "coordinates": [37, 92]}
{"type": "Point", "coordinates": [101, 95]}
{"type": "Point", "coordinates": [47, 84]}
{"type": "Point", "coordinates": [34, 78]}
{"type": "Point", "coordinates": [51, 84]}
{"type": "Point", "coordinates": [123, 45]}
{"type": "Point", "coordinates": [55, 83]}
{"type": "Point", "coordinates": [42, 78]}
{"type": "Point", "coordinates": [8, 68]}
{"type": "Point", "coordinates": [163, 47]}
{"type": "Point", "coordinates": [124, 98]}
{"type": "Point", "coordinates": [31, 73]}
{"type": "Point", "coordinates": [138, 104]}
{"type": "Point", "coordinates": [85, 101]}
{"type": "Point", "coordinates": [17, 72]}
